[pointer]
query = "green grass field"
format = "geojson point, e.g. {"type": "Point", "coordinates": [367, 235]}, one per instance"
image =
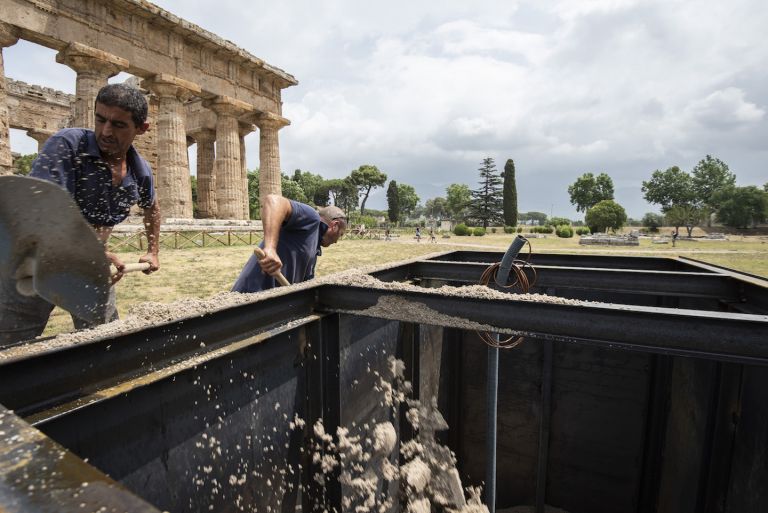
{"type": "Point", "coordinates": [203, 272]}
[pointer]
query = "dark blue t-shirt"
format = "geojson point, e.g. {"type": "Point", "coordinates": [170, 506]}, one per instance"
{"type": "Point", "coordinates": [298, 249]}
{"type": "Point", "coordinates": [72, 159]}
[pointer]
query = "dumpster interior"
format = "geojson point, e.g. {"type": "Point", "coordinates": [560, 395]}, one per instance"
{"type": "Point", "coordinates": [632, 384]}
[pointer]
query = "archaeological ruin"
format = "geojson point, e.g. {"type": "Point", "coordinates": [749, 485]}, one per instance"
{"type": "Point", "coordinates": [201, 89]}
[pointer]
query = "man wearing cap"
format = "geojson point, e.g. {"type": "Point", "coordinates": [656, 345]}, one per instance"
{"type": "Point", "coordinates": [293, 236]}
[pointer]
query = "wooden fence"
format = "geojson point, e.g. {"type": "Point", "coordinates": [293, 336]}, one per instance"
{"type": "Point", "coordinates": [178, 239]}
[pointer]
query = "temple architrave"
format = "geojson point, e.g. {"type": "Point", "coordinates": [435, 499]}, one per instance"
{"type": "Point", "coordinates": [201, 89]}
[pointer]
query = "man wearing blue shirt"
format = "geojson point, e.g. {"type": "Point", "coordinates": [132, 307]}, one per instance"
{"type": "Point", "coordinates": [105, 176]}
{"type": "Point", "coordinates": [293, 236]}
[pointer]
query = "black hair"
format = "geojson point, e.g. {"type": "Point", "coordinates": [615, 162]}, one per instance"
{"type": "Point", "coordinates": [127, 98]}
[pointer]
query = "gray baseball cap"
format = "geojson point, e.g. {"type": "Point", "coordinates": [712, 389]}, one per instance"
{"type": "Point", "coordinates": [332, 212]}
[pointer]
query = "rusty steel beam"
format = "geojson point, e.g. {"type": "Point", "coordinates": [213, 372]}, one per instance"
{"type": "Point", "coordinates": [646, 263]}
{"type": "Point", "coordinates": [37, 474]}
{"type": "Point", "coordinates": [37, 379]}
{"type": "Point", "coordinates": [694, 284]}
{"type": "Point", "coordinates": [713, 335]}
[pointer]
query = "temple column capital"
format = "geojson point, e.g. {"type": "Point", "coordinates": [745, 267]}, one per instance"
{"type": "Point", "coordinates": [93, 67]}
{"type": "Point", "coordinates": [203, 135]}
{"type": "Point", "coordinates": [270, 121]}
{"type": "Point", "coordinates": [9, 35]}
{"type": "Point", "coordinates": [226, 106]}
{"type": "Point", "coordinates": [86, 60]}
{"type": "Point", "coordinates": [40, 136]}
{"type": "Point", "coordinates": [245, 128]}
{"type": "Point", "coordinates": [168, 86]}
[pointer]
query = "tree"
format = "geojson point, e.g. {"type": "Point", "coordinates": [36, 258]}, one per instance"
{"type": "Point", "coordinates": [559, 221]}
{"type": "Point", "coordinates": [254, 206]}
{"type": "Point", "coordinates": [313, 187]}
{"type": "Point", "coordinates": [669, 188]}
{"type": "Point", "coordinates": [539, 218]}
{"type": "Point", "coordinates": [652, 221]}
{"type": "Point", "coordinates": [487, 205]}
{"type": "Point", "coordinates": [289, 189]}
{"type": "Point", "coordinates": [23, 165]}
{"type": "Point", "coordinates": [393, 202]}
{"type": "Point", "coordinates": [436, 207]}
{"type": "Point", "coordinates": [604, 215]}
{"type": "Point", "coordinates": [193, 185]}
{"type": "Point", "coordinates": [457, 200]}
{"type": "Point", "coordinates": [688, 215]}
{"type": "Point", "coordinates": [292, 189]}
{"type": "Point", "coordinates": [709, 176]}
{"type": "Point", "coordinates": [343, 192]}
{"type": "Point", "coordinates": [407, 199]}
{"type": "Point", "coordinates": [510, 194]}
{"type": "Point", "coordinates": [673, 190]}
{"type": "Point", "coordinates": [365, 178]}
{"type": "Point", "coordinates": [742, 207]}
{"type": "Point", "coordinates": [588, 190]}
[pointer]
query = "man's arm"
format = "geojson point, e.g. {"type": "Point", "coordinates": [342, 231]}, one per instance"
{"type": "Point", "coordinates": [152, 229]}
{"type": "Point", "coordinates": [274, 211]}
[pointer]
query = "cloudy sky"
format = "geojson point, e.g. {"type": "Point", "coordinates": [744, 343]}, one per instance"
{"type": "Point", "coordinates": [426, 90]}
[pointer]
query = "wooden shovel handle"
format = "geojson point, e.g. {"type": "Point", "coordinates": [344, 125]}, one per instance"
{"type": "Point", "coordinates": [130, 268]}
{"type": "Point", "coordinates": [278, 276]}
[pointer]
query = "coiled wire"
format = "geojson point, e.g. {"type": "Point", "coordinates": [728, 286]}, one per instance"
{"type": "Point", "coordinates": [520, 269]}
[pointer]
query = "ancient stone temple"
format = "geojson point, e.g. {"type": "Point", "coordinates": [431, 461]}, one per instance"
{"type": "Point", "coordinates": [201, 89]}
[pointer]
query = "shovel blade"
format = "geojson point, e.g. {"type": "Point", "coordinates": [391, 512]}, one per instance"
{"type": "Point", "coordinates": [39, 220]}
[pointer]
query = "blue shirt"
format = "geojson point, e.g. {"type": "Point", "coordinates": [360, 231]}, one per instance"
{"type": "Point", "coordinates": [72, 159]}
{"type": "Point", "coordinates": [298, 249]}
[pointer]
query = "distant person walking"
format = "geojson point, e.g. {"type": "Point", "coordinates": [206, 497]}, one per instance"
{"type": "Point", "coordinates": [418, 234]}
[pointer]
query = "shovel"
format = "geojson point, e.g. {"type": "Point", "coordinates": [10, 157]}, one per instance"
{"type": "Point", "coordinates": [278, 276]}
{"type": "Point", "coordinates": [49, 248]}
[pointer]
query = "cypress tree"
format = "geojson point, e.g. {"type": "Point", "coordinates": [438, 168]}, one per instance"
{"type": "Point", "coordinates": [393, 202]}
{"type": "Point", "coordinates": [510, 194]}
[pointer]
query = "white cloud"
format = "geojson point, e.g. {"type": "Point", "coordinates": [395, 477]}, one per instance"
{"type": "Point", "coordinates": [726, 108]}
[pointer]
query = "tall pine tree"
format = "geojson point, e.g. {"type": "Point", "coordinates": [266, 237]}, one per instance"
{"type": "Point", "coordinates": [393, 202]}
{"type": "Point", "coordinates": [486, 206]}
{"type": "Point", "coordinates": [510, 194]}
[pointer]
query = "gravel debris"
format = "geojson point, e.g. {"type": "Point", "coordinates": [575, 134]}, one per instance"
{"type": "Point", "coordinates": [149, 314]}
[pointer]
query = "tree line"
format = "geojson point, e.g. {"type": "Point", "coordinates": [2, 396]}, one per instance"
{"type": "Point", "coordinates": [707, 193]}
{"type": "Point", "coordinates": [686, 199]}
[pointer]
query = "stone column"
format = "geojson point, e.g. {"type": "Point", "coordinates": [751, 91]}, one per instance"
{"type": "Point", "coordinates": [245, 129]}
{"type": "Point", "coordinates": [8, 37]}
{"type": "Point", "coordinates": [174, 189]}
{"type": "Point", "coordinates": [94, 67]}
{"type": "Point", "coordinates": [206, 180]}
{"type": "Point", "coordinates": [269, 153]}
{"type": "Point", "coordinates": [40, 136]}
{"type": "Point", "coordinates": [230, 193]}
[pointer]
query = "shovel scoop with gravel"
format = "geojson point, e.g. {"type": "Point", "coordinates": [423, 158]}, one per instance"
{"type": "Point", "coordinates": [49, 249]}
